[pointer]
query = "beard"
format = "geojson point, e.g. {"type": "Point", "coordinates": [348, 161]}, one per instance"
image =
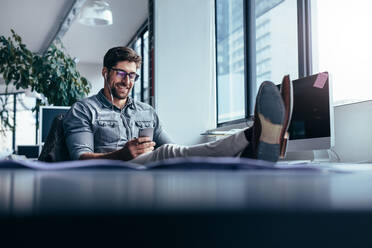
{"type": "Point", "coordinates": [117, 95]}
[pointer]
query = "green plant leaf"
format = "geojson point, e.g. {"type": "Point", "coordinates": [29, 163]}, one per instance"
{"type": "Point", "coordinates": [53, 74]}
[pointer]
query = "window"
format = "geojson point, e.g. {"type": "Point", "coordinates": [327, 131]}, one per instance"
{"type": "Point", "coordinates": [25, 130]}
{"type": "Point", "coordinates": [142, 88]}
{"type": "Point", "coordinates": [341, 46]}
{"type": "Point", "coordinates": [6, 138]}
{"type": "Point", "coordinates": [230, 60]}
{"type": "Point", "coordinates": [295, 37]}
{"type": "Point", "coordinates": [137, 86]}
{"type": "Point", "coordinates": [274, 54]}
{"type": "Point", "coordinates": [25, 120]}
{"type": "Point", "coordinates": [276, 40]}
{"type": "Point", "coordinates": [146, 65]}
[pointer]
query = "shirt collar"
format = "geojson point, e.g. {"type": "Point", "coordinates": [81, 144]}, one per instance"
{"type": "Point", "coordinates": [130, 103]}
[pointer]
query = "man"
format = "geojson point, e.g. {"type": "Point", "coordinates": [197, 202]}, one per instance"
{"type": "Point", "coordinates": [106, 126]}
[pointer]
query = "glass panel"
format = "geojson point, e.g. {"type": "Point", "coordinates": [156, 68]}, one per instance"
{"type": "Point", "coordinates": [230, 60]}
{"type": "Point", "coordinates": [25, 121]}
{"type": "Point", "coordinates": [276, 40]}
{"type": "Point", "coordinates": [137, 84]}
{"type": "Point", "coordinates": [146, 85]}
{"type": "Point", "coordinates": [341, 46]}
{"type": "Point", "coordinates": [6, 138]}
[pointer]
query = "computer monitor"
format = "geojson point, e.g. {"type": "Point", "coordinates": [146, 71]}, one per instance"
{"type": "Point", "coordinates": [47, 115]}
{"type": "Point", "coordinates": [30, 151]}
{"type": "Point", "coordinates": [311, 126]}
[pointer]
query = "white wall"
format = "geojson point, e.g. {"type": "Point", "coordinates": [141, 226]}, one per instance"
{"type": "Point", "coordinates": [92, 72]}
{"type": "Point", "coordinates": [353, 132]}
{"type": "Point", "coordinates": [11, 88]}
{"type": "Point", "coordinates": [184, 68]}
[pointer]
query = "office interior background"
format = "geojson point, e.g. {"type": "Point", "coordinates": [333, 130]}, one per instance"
{"type": "Point", "coordinates": [203, 60]}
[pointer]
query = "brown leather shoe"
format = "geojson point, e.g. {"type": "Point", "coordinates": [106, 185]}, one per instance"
{"type": "Point", "coordinates": [286, 90]}
{"type": "Point", "coordinates": [265, 135]}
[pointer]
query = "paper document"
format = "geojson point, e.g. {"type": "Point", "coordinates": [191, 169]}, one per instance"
{"type": "Point", "coordinates": [226, 163]}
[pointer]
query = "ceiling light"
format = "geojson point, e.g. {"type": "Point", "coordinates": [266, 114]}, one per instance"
{"type": "Point", "coordinates": [96, 13]}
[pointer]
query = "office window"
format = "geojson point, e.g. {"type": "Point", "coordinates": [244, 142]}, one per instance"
{"type": "Point", "coordinates": [342, 46]}
{"type": "Point", "coordinates": [6, 137]}
{"type": "Point", "coordinates": [146, 65]}
{"type": "Point", "coordinates": [230, 60]}
{"type": "Point", "coordinates": [25, 130]}
{"type": "Point", "coordinates": [276, 40]}
{"type": "Point", "coordinates": [275, 53]}
{"type": "Point", "coordinates": [142, 90]}
{"type": "Point", "coordinates": [137, 85]}
{"type": "Point", "coordinates": [25, 120]}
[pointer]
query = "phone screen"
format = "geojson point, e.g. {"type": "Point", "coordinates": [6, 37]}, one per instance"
{"type": "Point", "coordinates": [147, 132]}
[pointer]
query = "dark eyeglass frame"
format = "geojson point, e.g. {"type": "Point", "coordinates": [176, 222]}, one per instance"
{"type": "Point", "coordinates": [132, 75]}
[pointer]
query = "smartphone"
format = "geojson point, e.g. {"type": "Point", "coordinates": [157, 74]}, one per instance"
{"type": "Point", "coordinates": [146, 132]}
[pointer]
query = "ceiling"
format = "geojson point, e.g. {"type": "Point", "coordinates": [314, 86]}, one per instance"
{"type": "Point", "coordinates": [38, 21]}
{"type": "Point", "coordinates": [35, 21]}
{"type": "Point", "coordinates": [89, 44]}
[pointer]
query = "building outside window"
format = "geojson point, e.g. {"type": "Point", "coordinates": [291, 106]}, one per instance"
{"type": "Point", "coordinates": [276, 40]}
{"type": "Point", "coordinates": [230, 60]}
{"type": "Point", "coordinates": [276, 51]}
{"type": "Point", "coordinates": [336, 28]}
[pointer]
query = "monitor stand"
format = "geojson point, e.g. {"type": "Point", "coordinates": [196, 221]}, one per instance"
{"type": "Point", "coordinates": [314, 156]}
{"type": "Point", "coordinates": [321, 156]}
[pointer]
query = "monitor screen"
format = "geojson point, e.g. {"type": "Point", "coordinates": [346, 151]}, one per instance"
{"type": "Point", "coordinates": [47, 115]}
{"type": "Point", "coordinates": [30, 151]}
{"type": "Point", "coordinates": [311, 126]}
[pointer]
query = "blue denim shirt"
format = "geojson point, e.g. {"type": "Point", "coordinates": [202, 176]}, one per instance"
{"type": "Point", "coordinates": [95, 125]}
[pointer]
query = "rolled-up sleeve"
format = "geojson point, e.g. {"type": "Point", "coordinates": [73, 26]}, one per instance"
{"type": "Point", "coordinates": [161, 137]}
{"type": "Point", "coordinates": [78, 130]}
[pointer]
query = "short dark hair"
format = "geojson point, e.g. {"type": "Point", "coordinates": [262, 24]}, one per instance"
{"type": "Point", "coordinates": [118, 54]}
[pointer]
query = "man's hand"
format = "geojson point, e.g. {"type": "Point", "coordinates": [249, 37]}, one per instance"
{"type": "Point", "coordinates": [136, 147]}
{"type": "Point", "coordinates": [131, 149]}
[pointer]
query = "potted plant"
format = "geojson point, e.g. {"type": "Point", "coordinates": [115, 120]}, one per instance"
{"type": "Point", "coordinates": [52, 74]}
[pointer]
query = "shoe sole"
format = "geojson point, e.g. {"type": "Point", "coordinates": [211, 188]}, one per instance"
{"type": "Point", "coordinates": [270, 109]}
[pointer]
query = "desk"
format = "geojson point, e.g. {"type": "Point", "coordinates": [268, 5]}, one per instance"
{"type": "Point", "coordinates": [215, 208]}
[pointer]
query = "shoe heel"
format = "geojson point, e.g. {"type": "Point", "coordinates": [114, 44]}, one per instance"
{"type": "Point", "coordinates": [283, 148]}
{"type": "Point", "coordinates": [268, 152]}
{"type": "Point", "coordinates": [283, 145]}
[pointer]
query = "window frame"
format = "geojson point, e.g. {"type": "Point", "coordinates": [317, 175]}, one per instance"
{"type": "Point", "coordinates": [249, 30]}
{"type": "Point", "coordinates": [140, 36]}
{"type": "Point", "coordinates": [14, 130]}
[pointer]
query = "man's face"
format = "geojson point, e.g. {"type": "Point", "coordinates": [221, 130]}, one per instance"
{"type": "Point", "coordinates": [120, 83]}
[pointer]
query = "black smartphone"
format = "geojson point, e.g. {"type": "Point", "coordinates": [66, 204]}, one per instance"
{"type": "Point", "coordinates": [146, 132]}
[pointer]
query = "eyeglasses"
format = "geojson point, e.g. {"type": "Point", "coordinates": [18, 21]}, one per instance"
{"type": "Point", "coordinates": [123, 74]}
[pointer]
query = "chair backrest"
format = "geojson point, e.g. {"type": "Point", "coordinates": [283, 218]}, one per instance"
{"type": "Point", "coordinates": [55, 148]}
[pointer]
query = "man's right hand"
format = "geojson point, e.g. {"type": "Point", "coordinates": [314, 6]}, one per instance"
{"type": "Point", "coordinates": [135, 147]}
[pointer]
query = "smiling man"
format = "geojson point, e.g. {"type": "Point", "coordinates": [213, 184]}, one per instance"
{"type": "Point", "coordinates": [107, 125]}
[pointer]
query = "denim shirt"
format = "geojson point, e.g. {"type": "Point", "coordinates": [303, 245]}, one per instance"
{"type": "Point", "coordinates": [95, 125]}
